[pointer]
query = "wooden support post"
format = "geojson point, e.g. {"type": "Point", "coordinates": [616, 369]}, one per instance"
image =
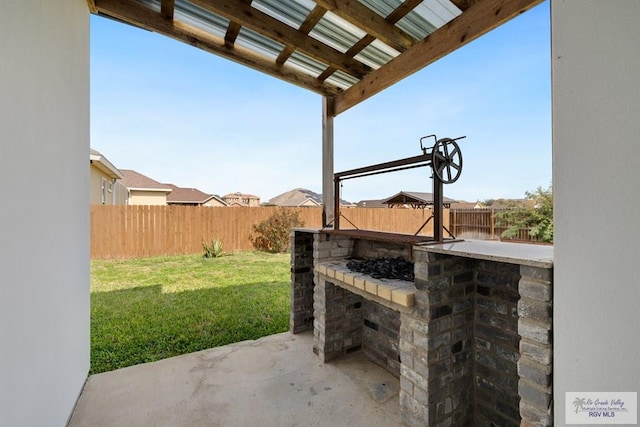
{"type": "Point", "coordinates": [327, 162]}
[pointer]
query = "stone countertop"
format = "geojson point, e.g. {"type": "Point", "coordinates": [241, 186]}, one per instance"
{"type": "Point", "coordinates": [514, 253]}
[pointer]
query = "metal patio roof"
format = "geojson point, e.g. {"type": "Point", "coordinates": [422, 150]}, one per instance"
{"type": "Point", "coordinates": [345, 50]}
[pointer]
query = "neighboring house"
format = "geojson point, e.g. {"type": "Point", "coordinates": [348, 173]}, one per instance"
{"type": "Point", "coordinates": [372, 203]}
{"type": "Point", "coordinates": [241, 199]}
{"type": "Point", "coordinates": [143, 190]}
{"type": "Point", "coordinates": [467, 205]}
{"type": "Point", "coordinates": [510, 203]}
{"type": "Point", "coordinates": [299, 197]}
{"type": "Point", "coordinates": [104, 177]}
{"type": "Point", "coordinates": [192, 197]}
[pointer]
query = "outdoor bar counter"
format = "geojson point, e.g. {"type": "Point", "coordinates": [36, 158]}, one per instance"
{"type": "Point", "coordinates": [470, 338]}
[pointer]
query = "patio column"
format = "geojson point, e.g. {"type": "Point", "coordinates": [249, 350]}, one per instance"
{"type": "Point", "coordinates": [327, 161]}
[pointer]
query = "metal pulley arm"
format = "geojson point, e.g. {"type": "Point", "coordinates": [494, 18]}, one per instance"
{"type": "Point", "coordinates": [396, 165]}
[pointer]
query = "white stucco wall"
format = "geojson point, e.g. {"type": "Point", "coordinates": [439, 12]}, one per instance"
{"type": "Point", "coordinates": [596, 171]}
{"type": "Point", "coordinates": [44, 213]}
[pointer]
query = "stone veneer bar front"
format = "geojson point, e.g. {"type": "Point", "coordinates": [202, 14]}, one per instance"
{"type": "Point", "coordinates": [470, 338]}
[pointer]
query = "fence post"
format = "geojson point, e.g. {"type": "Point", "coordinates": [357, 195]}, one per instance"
{"type": "Point", "coordinates": [493, 226]}
{"type": "Point", "coordinates": [454, 226]}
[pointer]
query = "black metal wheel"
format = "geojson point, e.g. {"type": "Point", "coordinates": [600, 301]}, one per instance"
{"type": "Point", "coordinates": [446, 160]}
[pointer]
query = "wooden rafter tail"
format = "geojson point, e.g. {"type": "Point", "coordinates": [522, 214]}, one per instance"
{"type": "Point", "coordinates": [92, 6]}
{"type": "Point", "coordinates": [480, 18]}
{"type": "Point", "coordinates": [232, 34]}
{"type": "Point", "coordinates": [167, 8]}
{"type": "Point", "coordinates": [141, 16]}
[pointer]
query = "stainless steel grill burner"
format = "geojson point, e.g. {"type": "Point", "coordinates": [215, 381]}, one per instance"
{"type": "Point", "coordinates": [445, 160]}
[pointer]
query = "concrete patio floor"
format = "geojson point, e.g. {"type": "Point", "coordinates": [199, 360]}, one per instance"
{"type": "Point", "coordinates": [274, 381]}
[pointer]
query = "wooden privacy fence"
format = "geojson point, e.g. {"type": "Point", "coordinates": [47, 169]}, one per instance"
{"type": "Point", "coordinates": [480, 224]}
{"type": "Point", "coordinates": [139, 231]}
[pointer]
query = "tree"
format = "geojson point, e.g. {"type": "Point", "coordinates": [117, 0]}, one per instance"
{"type": "Point", "coordinates": [538, 216]}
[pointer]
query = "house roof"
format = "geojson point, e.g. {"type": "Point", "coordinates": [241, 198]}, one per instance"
{"type": "Point", "coordinates": [511, 203]}
{"type": "Point", "coordinates": [414, 199]}
{"type": "Point", "coordinates": [345, 50]}
{"type": "Point", "coordinates": [372, 203]}
{"type": "Point", "coordinates": [299, 197]}
{"type": "Point", "coordinates": [240, 195]}
{"type": "Point", "coordinates": [189, 195]}
{"type": "Point", "coordinates": [467, 205]}
{"type": "Point", "coordinates": [136, 181]}
{"type": "Point", "coordinates": [101, 162]}
{"type": "Point", "coordinates": [296, 197]}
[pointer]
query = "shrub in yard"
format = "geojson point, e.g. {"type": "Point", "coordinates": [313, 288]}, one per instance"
{"type": "Point", "coordinates": [212, 249]}
{"type": "Point", "coordinates": [273, 234]}
{"type": "Point", "coordinates": [538, 218]}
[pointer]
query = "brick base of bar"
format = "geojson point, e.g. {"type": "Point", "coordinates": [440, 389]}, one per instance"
{"type": "Point", "coordinates": [470, 339]}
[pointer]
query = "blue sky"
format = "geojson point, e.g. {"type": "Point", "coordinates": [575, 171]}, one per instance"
{"type": "Point", "coordinates": [184, 116]}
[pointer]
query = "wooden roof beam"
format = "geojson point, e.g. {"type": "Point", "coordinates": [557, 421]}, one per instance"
{"type": "Point", "coordinates": [402, 10]}
{"type": "Point", "coordinates": [479, 19]}
{"type": "Point", "coordinates": [139, 15]}
{"type": "Point", "coordinates": [364, 18]}
{"type": "Point", "coordinates": [256, 20]}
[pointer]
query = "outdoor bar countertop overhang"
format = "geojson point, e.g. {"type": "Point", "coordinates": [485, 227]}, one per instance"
{"type": "Point", "coordinates": [533, 255]}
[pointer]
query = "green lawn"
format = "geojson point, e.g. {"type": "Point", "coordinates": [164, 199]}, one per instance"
{"type": "Point", "coordinates": [148, 309]}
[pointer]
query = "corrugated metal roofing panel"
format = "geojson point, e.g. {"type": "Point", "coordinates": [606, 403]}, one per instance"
{"type": "Point", "coordinates": [342, 80]}
{"type": "Point", "coordinates": [336, 32]}
{"type": "Point", "coordinates": [376, 54]}
{"type": "Point", "coordinates": [291, 12]}
{"type": "Point", "coordinates": [258, 43]}
{"type": "Point", "coordinates": [443, 9]}
{"type": "Point", "coordinates": [427, 17]}
{"type": "Point", "coordinates": [306, 64]}
{"type": "Point", "coordinates": [200, 18]}
{"type": "Point", "coordinates": [382, 7]}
